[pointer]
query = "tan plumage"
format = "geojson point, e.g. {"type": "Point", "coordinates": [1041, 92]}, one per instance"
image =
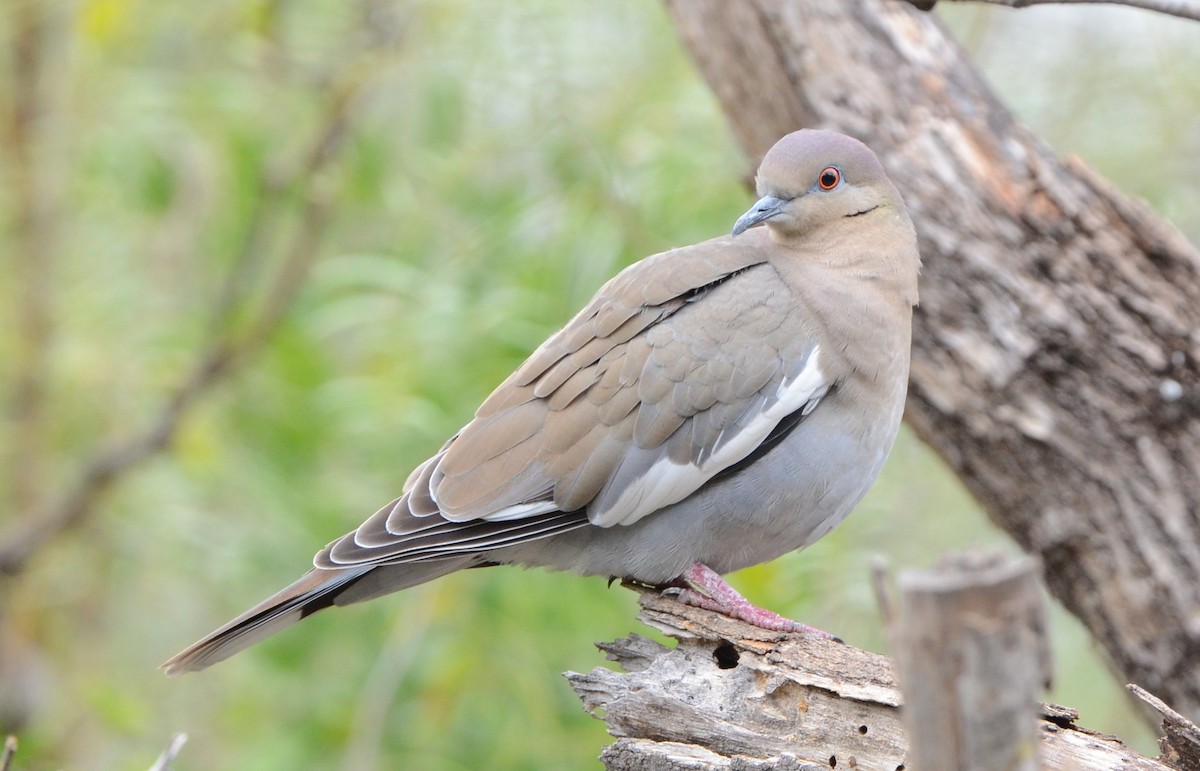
{"type": "Point", "coordinates": [715, 405]}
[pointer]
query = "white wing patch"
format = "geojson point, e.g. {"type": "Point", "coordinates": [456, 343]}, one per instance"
{"type": "Point", "coordinates": [521, 511]}
{"type": "Point", "coordinates": [667, 482]}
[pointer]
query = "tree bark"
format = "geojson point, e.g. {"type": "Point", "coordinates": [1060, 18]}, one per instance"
{"type": "Point", "coordinates": [736, 697]}
{"type": "Point", "coordinates": [1056, 356]}
{"type": "Point", "coordinates": [972, 656]}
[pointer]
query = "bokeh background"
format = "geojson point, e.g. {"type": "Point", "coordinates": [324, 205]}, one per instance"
{"type": "Point", "coordinates": [428, 188]}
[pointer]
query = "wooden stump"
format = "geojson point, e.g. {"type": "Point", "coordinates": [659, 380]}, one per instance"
{"type": "Point", "coordinates": [733, 696]}
{"type": "Point", "coordinates": [972, 654]}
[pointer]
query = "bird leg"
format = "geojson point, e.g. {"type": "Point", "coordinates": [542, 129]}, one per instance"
{"type": "Point", "coordinates": [704, 588]}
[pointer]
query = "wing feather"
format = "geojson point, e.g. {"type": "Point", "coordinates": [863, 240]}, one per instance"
{"type": "Point", "coordinates": [678, 369]}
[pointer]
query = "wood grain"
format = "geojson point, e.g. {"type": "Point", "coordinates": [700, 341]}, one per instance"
{"type": "Point", "coordinates": [733, 696]}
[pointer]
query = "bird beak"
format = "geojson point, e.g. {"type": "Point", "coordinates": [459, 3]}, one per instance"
{"type": "Point", "coordinates": [766, 208]}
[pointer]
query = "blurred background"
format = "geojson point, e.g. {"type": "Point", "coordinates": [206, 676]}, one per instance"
{"type": "Point", "coordinates": [258, 258]}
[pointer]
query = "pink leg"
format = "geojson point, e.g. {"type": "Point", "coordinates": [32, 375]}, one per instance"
{"type": "Point", "coordinates": [706, 589]}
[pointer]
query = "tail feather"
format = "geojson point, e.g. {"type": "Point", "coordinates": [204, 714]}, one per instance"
{"type": "Point", "coordinates": [315, 590]}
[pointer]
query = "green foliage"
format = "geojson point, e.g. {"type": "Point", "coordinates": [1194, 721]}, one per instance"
{"type": "Point", "coordinates": [506, 160]}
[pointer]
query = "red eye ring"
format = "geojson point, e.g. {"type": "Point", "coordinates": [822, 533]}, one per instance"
{"type": "Point", "coordinates": [829, 178]}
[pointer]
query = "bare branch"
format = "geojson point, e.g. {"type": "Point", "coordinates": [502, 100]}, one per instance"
{"type": "Point", "coordinates": [10, 751]}
{"type": "Point", "coordinates": [733, 696]}
{"type": "Point", "coordinates": [346, 87]}
{"type": "Point", "coordinates": [230, 349]}
{"type": "Point", "coordinates": [170, 753]}
{"type": "Point", "coordinates": [35, 37]}
{"type": "Point", "coordinates": [1180, 740]}
{"type": "Point", "coordinates": [1184, 9]}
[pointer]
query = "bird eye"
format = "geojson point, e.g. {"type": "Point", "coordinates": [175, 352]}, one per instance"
{"type": "Point", "coordinates": [829, 179]}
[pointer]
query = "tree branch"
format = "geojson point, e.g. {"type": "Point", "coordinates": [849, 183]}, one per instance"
{"type": "Point", "coordinates": [733, 696]}
{"type": "Point", "coordinates": [37, 204]}
{"type": "Point", "coordinates": [229, 348]}
{"type": "Point", "coordinates": [8, 753]}
{"type": "Point", "coordinates": [1180, 740]}
{"type": "Point", "coordinates": [164, 761]}
{"type": "Point", "coordinates": [1184, 9]}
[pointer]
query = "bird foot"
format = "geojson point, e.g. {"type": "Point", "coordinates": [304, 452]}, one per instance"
{"type": "Point", "coordinates": [704, 588]}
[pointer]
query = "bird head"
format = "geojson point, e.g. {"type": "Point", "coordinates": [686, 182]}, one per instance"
{"type": "Point", "coordinates": [813, 178]}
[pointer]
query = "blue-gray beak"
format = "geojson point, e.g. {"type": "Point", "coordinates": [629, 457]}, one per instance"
{"type": "Point", "coordinates": [766, 208]}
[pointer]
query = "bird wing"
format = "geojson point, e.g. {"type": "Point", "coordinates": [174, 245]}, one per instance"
{"type": "Point", "coordinates": [683, 365]}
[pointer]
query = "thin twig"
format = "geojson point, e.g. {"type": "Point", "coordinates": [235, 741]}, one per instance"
{"type": "Point", "coordinates": [883, 595]}
{"type": "Point", "coordinates": [168, 756]}
{"type": "Point", "coordinates": [10, 751]}
{"type": "Point", "coordinates": [35, 256]}
{"type": "Point", "coordinates": [1183, 9]}
{"type": "Point", "coordinates": [229, 349]}
{"type": "Point", "coordinates": [276, 179]}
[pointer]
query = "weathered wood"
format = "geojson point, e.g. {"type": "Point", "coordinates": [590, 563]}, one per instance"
{"type": "Point", "coordinates": [972, 656]}
{"type": "Point", "coordinates": [733, 696]}
{"type": "Point", "coordinates": [1056, 361]}
{"type": "Point", "coordinates": [1184, 9]}
{"type": "Point", "coordinates": [1180, 740]}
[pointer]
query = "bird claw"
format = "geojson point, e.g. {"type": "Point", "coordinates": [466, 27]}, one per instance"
{"type": "Point", "coordinates": [706, 589]}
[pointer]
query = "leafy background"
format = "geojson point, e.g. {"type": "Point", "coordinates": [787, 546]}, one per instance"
{"type": "Point", "coordinates": [443, 184]}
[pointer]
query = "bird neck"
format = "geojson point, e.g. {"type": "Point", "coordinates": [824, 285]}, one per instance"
{"type": "Point", "coordinates": [859, 283]}
{"type": "Point", "coordinates": [874, 255]}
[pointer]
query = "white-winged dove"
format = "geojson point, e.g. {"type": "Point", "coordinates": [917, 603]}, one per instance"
{"type": "Point", "coordinates": [713, 407]}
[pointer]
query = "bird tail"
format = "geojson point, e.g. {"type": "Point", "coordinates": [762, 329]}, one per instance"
{"type": "Point", "coordinates": [315, 590]}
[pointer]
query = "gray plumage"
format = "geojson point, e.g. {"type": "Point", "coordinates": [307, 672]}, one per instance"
{"type": "Point", "coordinates": [719, 404]}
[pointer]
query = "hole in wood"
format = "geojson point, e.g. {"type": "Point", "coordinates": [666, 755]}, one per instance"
{"type": "Point", "coordinates": [726, 656]}
{"type": "Point", "coordinates": [862, 729]}
{"type": "Point", "coordinates": [833, 761]}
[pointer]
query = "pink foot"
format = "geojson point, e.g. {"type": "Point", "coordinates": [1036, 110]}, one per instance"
{"type": "Point", "coordinates": [706, 589]}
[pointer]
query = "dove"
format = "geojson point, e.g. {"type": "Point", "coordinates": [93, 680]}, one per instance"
{"type": "Point", "coordinates": [713, 407]}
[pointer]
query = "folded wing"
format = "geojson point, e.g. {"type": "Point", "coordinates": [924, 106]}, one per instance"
{"type": "Point", "coordinates": [641, 400]}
